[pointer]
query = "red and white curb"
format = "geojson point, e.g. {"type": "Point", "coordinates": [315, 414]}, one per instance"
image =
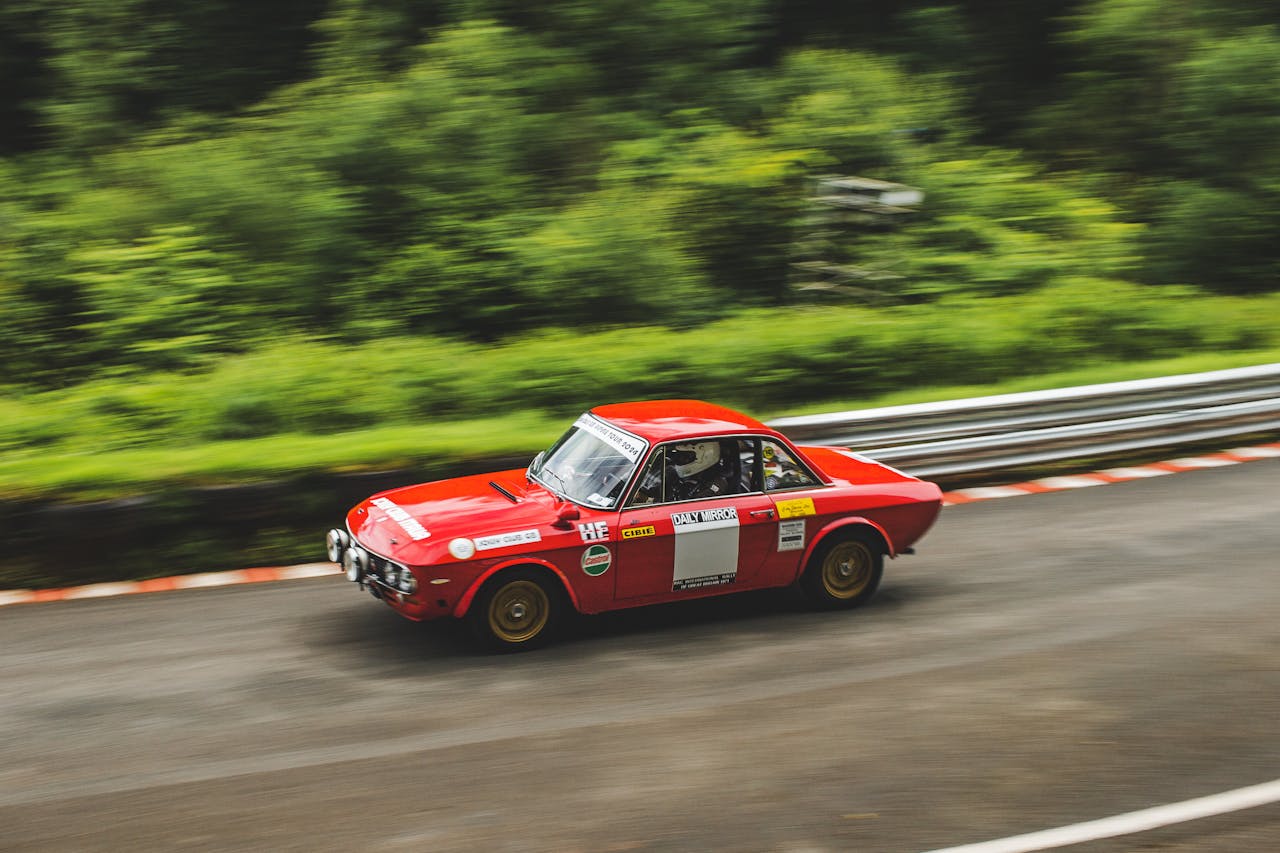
{"type": "Point", "coordinates": [1112, 475]}
{"type": "Point", "coordinates": [961, 496]}
{"type": "Point", "coordinates": [200, 581]}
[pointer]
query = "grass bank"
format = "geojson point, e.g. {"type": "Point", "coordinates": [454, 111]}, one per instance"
{"type": "Point", "coordinates": [298, 406]}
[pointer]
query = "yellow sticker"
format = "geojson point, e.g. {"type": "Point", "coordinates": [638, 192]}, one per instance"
{"type": "Point", "coordinates": [636, 532]}
{"type": "Point", "coordinates": [796, 508]}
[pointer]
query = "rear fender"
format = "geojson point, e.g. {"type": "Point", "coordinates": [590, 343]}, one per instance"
{"type": "Point", "coordinates": [843, 524]}
{"type": "Point", "coordinates": [464, 603]}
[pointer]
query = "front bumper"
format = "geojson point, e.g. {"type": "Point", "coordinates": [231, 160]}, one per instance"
{"type": "Point", "coordinates": [385, 579]}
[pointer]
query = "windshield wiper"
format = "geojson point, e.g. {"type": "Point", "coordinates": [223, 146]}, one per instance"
{"type": "Point", "coordinates": [564, 489]}
{"type": "Point", "coordinates": [504, 492]}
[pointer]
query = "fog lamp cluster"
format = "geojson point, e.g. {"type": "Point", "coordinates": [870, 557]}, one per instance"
{"type": "Point", "coordinates": [359, 565]}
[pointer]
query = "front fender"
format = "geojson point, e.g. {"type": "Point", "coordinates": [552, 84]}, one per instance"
{"type": "Point", "coordinates": [464, 603]}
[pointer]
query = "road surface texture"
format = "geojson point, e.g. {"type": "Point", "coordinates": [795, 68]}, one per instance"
{"type": "Point", "coordinates": [1044, 660]}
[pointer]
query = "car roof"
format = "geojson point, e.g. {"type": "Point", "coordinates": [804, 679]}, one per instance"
{"type": "Point", "coordinates": [664, 420]}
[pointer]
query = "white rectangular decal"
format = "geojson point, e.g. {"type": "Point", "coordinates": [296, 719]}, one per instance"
{"type": "Point", "coordinates": [506, 540]}
{"type": "Point", "coordinates": [706, 547]}
{"type": "Point", "coordinates": [397, 513]}
{"type": "Point", "coordinates": [791, 535]}
{"type": "Point", "coordinates": [625, 443]}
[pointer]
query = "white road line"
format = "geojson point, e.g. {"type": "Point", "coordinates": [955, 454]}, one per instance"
{"type": "Point", "coordinates": [1127, 824]}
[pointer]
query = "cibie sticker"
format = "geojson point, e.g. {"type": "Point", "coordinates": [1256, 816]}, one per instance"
{"type": "Point", "coordinates": [791, 535]}
{"type": "Point", "coordinates": [596, 560]}
{"type": "Point", "coordinates": [506, 540]}
{"type": "Point", "coordinates": [594, 531]}
{"type": "Point", "coordinates": [397, 513]}
{"type": "Point", "coordinates": [796, 508]}
{"type": "Point", "coordinates": [623, 442]}
{"type": "Point", "coordinates": [637, 532]}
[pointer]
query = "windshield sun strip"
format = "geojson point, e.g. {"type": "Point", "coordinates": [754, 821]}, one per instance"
{"type": "Point", "coordinates": [642, 443]}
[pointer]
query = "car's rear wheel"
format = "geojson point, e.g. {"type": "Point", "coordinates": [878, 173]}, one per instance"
{"type": "Point", "coordinates": [516, 610]}
{"type": "Point", "coordinates": [844, 570]}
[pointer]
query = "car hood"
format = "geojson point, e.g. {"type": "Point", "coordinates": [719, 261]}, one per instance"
{"type": "Point", "coordinates": [414, 525]}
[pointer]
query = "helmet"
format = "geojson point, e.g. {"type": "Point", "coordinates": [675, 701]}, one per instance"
{"type": "Point", "coordinates": [694, 458]}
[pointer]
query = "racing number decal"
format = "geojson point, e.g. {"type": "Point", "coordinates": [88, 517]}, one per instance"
{"type": "Point", "coordinates": [706, 547]}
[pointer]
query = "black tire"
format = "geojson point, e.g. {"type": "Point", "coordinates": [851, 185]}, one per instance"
{"type": "Point", "coordinates": [844, 570]}
{"type": "Point", "coordinates": [516, 610]}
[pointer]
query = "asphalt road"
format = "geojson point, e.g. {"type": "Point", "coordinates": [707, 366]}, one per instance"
{"type": "Point", "coordinates": [1044, 660]}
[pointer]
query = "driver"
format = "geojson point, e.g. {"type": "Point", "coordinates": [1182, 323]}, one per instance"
{"type": "Point", "coordinates": [698, 473]}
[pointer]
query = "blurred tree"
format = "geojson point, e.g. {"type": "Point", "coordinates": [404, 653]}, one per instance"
{"type": "Point", "coordinates": [1216, 237]}
{"type": "Point", "coordinates": [662, 54]}
{"type": "Point", "coordinates": [24, 76]}
{"type": "Point", "coordinates": [1227, 123]}
{"type": "Point", "coordinates": [162, 302]}
{"type": "Point", "coordinates": [1120, 100]}
{"type": "Point", "coordinates": [119, 65]}
{"type": "Point", "coordinates": [362, 39]}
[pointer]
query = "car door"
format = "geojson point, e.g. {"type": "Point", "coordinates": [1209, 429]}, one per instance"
{"type": "Point", "coordinates": [672, 547]}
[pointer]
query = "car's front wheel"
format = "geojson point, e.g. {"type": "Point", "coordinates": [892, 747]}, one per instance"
{"type": "Point", "coordinates": [516, 610]}
{"type": "Point", "coordinates": [844, 570]}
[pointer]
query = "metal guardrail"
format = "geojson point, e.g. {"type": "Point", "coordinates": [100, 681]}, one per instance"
{"type": "Point", "coordinates": [1018, 430]}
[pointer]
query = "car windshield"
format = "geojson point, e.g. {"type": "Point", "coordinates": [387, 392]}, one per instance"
{"type": "Point", "coordinates": [590, 464]}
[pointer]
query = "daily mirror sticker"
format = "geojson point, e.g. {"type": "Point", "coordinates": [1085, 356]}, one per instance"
{"type": "Point", "coordinates": [506, 540]}
{"type": "Point", "coordinates": [706, 551]}
{"type": "Point", "coordinates": [704, 519]}
{"type": "Point", "coordinates": [400, 516]}
{"type": "Point", "coordinates": [625, 443]}
{"type": "Point", "coordinates": [791, 535]}
{"type": "Point", "coordinates": [796, 508]}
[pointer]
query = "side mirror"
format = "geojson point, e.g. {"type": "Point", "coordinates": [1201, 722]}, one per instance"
{"type": "Point", "coordinates": [566, 514]}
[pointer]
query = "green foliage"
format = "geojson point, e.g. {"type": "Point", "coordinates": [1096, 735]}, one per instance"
{"type": "Point", "coordinates": [281, 402]}
{"type": "Point", "coordinates": [860, 110]}
{"type": "Point", "coordinates": [227, 220]}
{"type": "Point", "coordinates": [1230, 111]}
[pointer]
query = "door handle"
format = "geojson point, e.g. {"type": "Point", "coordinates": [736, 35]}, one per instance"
{"type": "Point", "coordinates": [762, 513]}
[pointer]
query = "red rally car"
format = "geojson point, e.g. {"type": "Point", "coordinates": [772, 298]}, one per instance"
{"type": "Point", "coordinates": [638, 503]}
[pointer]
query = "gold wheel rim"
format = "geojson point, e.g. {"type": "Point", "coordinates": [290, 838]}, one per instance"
{"type": "Point", "coordinates": [847, 569]}
{"type": "Point", "coordinates": [519, 611]}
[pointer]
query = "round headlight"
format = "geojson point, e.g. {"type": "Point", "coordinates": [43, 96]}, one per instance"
{"type": "Point", "coordinates": [335, 542]}
{"type": "Point", "coordinates": [408, 583]}
{"type": "Point", "coordinates": [355, 562]}
{"type": "Point", "coordinates": [462, 549]}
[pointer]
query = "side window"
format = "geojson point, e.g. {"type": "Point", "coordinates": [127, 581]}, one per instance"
{"type": "Point", "coordinates": [650, 488]}
{"type": "Point", "coordinates": [781, 471]}
{"type": "Point", "coordinates": [749, 465]}
{"type": "Point", "coordinates": [692, 470]}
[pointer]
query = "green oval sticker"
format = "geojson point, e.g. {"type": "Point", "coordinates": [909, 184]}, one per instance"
{"type": "Point", "coordinates": [596, 560]}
